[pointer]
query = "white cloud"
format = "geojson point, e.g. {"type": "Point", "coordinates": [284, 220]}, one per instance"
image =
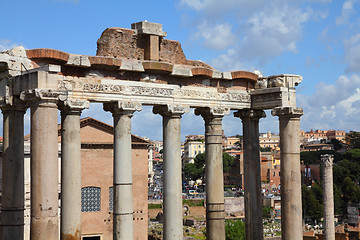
{"type": "Point", "coordinates": [346, 12]}
{"type": "Point", "coordinates": [230, 61]}
{"type": "Point", "coordinates": [255, 30]}
{"type": "Point", "coordinates": [352, 53]}
{"type": "Point", "coordinates": [273, 30]}
{"type": "Point", "coordinates": [6, 44]}
{"type": "Point", "coordinates": [218, 37]}
{"type": "Point", "coordinates": [332, 106]}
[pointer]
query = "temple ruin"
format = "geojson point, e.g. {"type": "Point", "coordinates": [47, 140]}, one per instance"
{"type": "Point", "coordinates": [132, 68]}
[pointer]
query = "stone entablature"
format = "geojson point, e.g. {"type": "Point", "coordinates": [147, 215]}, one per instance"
{"type": "Point", "coordinates": [120, 72]}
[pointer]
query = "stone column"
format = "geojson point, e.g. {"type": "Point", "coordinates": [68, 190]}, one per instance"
{"type": "Point", "coordinates": [291, 209]}
{"type": "Point", "coordinates": [123, 191]}
{"type": "Point", "coordinates": [252, 173]}
{"type": "Point", "coordinates": [172, 202]}
{"type": "Point", "coordinates": [214, 176]}
{"type": "Point", "coordinates": [12, 202]}
{"type": "Point", "coordinates": [70, 228]}
{"type": "Point", "coordinates": [329, 226]}
{"type": "Point", "coordinates": [44, 222]}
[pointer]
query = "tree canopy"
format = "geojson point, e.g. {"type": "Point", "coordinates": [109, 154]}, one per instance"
{"type": "Point", "coordinates": [353, 140]}
{"type": "Point", "coordinates": [196, 170]}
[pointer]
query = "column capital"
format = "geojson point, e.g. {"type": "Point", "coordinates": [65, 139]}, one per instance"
{"type": "Point", "coordinates": [296, 112]}
{"type": "Point", "coordinates": [327, 160]}
{"type": "Point", "coordinates": [218, 112]}
{"type": "Point", "coordinates": [43, 97]}
{"type": "Point", "coordinates": [250, 113]}
{"type": "Point", "coordinates": [170, 110]}
{"type": "Point", "coordinates": [122, 107]}
{"type": "Point", "coordinates": [13, 104]}
{"type": "Point", "coordinates": [73, 106]}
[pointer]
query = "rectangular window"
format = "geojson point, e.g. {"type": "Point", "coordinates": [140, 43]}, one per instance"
{"type": "Point", "coordinates": [90, 199]}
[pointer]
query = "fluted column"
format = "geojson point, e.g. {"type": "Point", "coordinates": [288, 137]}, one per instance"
{"type": "Point", "coordinates": [291, 209]}
{"type": "Point", "coordinates": [123, 191]}
{"type": "Point", "coordinates": [329, 225]}
{"type": "Point", "coordinates": [12, 202]}
{"type": "Point", "coordinates": [44, 223]}
{"type": "Point", "coordinates": [252, 173]}
{"type": "Point", "coordinates": [172, 202]}
{"type": "Point", "coordinates": [214, 176]}
{"type": "Point", "coordinates": [70, 228]}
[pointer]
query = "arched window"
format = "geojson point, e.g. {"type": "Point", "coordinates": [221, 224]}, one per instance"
{"type": "Point", "coordinates": [90, 199]}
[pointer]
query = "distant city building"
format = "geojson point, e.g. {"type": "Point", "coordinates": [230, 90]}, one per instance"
{"type": "Point", "coordinates": [232, 142]}
{"type": "Point", "coordinates": [194, 145]}
{"type": "Point", "coordinates": [269, 140]}
{"type": "Point", "coordinates": [318, 136]}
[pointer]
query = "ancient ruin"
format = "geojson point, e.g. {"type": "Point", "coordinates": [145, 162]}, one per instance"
{"type": "Point", "coordinates": [135, 67]}
{"type": "Point", "coordinates": [329, 221]}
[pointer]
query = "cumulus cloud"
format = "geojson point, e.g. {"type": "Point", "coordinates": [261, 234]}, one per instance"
{"type": "Point", "coordinates": [332, 106]}
{"type": "Point", "coordinates": [255, 30]}
{"type": "Point", "coordinates": [273, 30]}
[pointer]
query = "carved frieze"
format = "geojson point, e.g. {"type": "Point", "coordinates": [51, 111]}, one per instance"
{"type": "Point", "coordinates": [152, 90]}
{"type": "Point", "coordinates": [93, 87]}
{"type": "Point", "coordinates": [43, 94]}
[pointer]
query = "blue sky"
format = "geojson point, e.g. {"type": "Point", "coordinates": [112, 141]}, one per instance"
{"type": "Point", "coordinates": [318, 39]}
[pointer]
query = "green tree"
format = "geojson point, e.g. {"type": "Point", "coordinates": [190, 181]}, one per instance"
{"type": "Point", "coordinates": [192, 172]}
{"type": "Point", "coordinates": [346, 168]}
{"type": "Point", "coordinates": [228, 162]}
{"type": "Point", "coordinates": [267, 211]}
{"type": "Point", "coordinates": [337, 144]}
{"type": "Point", "coordinates": [313, 157]}
{"type": "Point", "coordinates": [351, 191]}
{"type": "Point", "coordinates": [196, 170]}
{"type": "Point", "coordinates": [265, 149]}
{"type": "Point", "coordinates": [234, 230]}
{"type": "Point", "coordinates": [353, 140]}
{"type": "Point", "coordinates": [312, 208]}
{"type": "Point", "coordinates": [338, 202]}
{"type": "Point", "coordinates": [238, 143]}
{"type": "Point", "coordinates": [353, 155]}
